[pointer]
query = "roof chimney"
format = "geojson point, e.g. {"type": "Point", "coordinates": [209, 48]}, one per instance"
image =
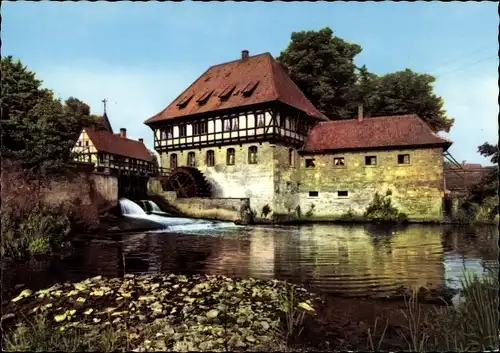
{"type": "Point", "coordinates": [244, 54]}
{"type": "Point", "coordinates": [360, 112]}
{"type": "Point", "coordinates": [141, 140]}
{"type": "Point", "coordinates": [123, 132]}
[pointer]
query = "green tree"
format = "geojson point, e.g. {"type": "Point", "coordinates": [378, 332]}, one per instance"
{"type": "Point", "coordinates": [322, 66]}
{"type": "Point", "coordinates": [488, 186]}
{"type": "Point", "coordinates": [407, 92]}
{"type": "Point", "coordinates": [38, 130]}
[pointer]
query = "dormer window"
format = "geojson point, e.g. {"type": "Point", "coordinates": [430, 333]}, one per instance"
{"type": "Point", "coordinates": [249, 88]}
{"type": "Point", "coordinates": [226, 92]}
{"type": "Point", "coordinates": [184, 101]}
{"type": "Point", "coordinates": [204, 97]}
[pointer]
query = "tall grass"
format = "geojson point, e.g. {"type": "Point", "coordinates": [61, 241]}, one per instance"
{"type": "Point", "coordinates": [472, 325]}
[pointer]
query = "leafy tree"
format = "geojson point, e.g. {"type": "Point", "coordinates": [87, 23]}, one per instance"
{"type": "Point", "coordinates": [322, 66]}
{"type": "Point", "coordinates": [406, 92]}
{"type": "Point", "coordinates": [488, 186]}
{"type": "Point", "coordinates": [38, 130]}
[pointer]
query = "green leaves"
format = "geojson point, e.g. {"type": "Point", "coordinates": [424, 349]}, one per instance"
{"type": "Point", "coordinates": [322, 66]}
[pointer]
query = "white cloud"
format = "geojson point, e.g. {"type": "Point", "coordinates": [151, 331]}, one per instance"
{"type": "Point", "coordinates": [133, 95]}
{"type": "Point", "coordinates": [473, 102]}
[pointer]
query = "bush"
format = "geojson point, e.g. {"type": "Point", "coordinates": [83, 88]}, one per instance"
{"type": "Point", "coordinates": [381, 209]}
{"type": "Point", "coordinates": [38, 231]}
{"type": "Point", "coordinates": [348, 216]}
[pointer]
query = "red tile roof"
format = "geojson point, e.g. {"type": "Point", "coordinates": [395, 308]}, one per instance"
{"type": "Point", "coordinates": [273, 84]}
{"type": "Point", "coordinates": [460, 178]}
{"type": "Point", "coordinates": [114, 144]}
{"type": "Point", "coordinates": [387, 131]}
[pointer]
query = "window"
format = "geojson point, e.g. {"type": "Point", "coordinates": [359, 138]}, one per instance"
{"type": "Point", "coordinates": [101, 158]}
{"type": "Point", "coordinates": [173, 161]}
{"type": "Point", "coordinates": [230, 156]}
{"type": "Point", "coordinates": [200, 128]}
{"type": "Point", "coordinates": [182, 130]}
{"type": "Point", "coordinates": [259, 120]}
{"type": "Point", "coordinates": [342, 193]}
{"type": "Point", "coordinates": [210, 158]}
{"type": "Point", "coordinates": [235, 123]}
{"type": "Point", "coordinates": [282, 121]}
{"type": "Point", "coordinates": [339, 161]}
{"type": "Point", "coordinates": [403, 159]}
{"type": "Point", "coordinates": [191, 160]}
{"type": "Point", "coordinates": [86, 143]}
{"type": "Point", "coordinates": [313, 194]}
{"type": "Point", "coordinates": [310, 163]}
{"type": "Point", "coordinates": [252, 155]}
{"type": "Point", "coordinates": [291, 158]}
{"type": "Point", "coordinates": [293, 124]}
{"type": "Point", "coordinates": [371, 160]}
{"type": "Point", "coordinates": [79, 143]}
{"type": "Point", "coordinates": [230, 124]}
{"type": "Point", "coordinates": [170, 132]}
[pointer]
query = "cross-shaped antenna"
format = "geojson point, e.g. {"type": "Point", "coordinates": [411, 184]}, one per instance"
{"type": "Point", "coordinates": [104, 101]}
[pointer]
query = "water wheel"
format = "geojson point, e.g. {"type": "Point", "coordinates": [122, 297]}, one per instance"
{"type": "Point", "coordinates": [187, 182]}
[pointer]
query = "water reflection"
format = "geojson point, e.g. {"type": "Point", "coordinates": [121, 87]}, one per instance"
{"type": "Point", "coordinates": [348, 260]}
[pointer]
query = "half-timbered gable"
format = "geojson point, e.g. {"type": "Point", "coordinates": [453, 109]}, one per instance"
{"type": "Point", "coordinates": [113, 153]}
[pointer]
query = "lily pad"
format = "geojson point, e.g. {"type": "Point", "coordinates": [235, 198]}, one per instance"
{"type": "Point", "coordinates": [305, 306]}
{"type": "Point", "coordinates": [59, 318]}
{"type": "Point", "coordinates": [24, 294]}
{"type": "Point", "coordinates": [212, 314]}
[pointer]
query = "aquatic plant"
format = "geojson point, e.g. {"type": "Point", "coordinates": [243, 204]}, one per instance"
{"type": "Point", "coordinates": [158, 312]}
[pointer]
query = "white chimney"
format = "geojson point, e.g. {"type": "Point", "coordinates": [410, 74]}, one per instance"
{"type": "Point", "coordinates": [244, 54]}
{"type": "Point", "coordinates": [123, 132]}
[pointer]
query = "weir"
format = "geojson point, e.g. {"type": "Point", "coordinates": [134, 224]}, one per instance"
{"type": "Point", "coordinates": [132, 210]}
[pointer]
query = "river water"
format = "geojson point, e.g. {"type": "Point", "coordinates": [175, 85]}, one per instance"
{"type": "Point", "coordinates": [348, 260]}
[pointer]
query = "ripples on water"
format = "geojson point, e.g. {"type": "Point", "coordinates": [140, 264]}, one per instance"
{"type": "Point", "coordinates": [351, 260]}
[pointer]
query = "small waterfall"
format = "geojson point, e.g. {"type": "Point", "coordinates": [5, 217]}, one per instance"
{"type": "Point", "coordinates": [154, 207]}
{"type": "Point", "coordinates": [130, 208]}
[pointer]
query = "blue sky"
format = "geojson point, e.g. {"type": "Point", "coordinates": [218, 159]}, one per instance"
{"type": "Point", "coordinates": [140, 56]}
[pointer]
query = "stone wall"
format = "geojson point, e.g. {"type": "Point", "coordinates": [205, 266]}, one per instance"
{"type": "Point", "coordinates": [239, 181]}
{"type": "Point", "coordinates": [417, 187]}
{"type": "Point", "coordinates": [225, 209]}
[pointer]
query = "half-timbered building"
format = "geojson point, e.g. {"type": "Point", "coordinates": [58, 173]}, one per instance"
{"type": "Point", "coordinates": [115, 154]}
{"type": "Point", "coordinates": [247, 131]}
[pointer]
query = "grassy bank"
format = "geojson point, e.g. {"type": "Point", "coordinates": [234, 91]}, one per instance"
{"type": "Point", "coordinates": [217, 313]}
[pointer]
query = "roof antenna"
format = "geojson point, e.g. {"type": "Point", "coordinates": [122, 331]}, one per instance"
{"type": "Point", "coordinates": [104, 101]}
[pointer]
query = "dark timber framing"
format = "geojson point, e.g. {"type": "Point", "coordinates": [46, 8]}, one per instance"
{"type": "Point", "coordinates": [287, 125]}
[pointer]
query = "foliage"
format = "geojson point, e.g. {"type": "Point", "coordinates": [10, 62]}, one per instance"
{"type": "Point", "coordinates": [155, 312]}
{"type": "Point", "coordinates": [298, 211]}
{"type": "Point", "coordinates": [37, 129]}
{"type": "Point", "coordinates": [38, 231]}
{"type": "Point", "coordinates": [481, 202]}
{"type": "Point", "coordinates": [381, 209]}
{"type": "Point", "coordinates": [311, 210]}
{"type": "Point", "coordinates": [488, 186]}
{"type": "Point", "coordinates": [471, 326]}
{"type": "Point", "coordinates": [322, 66]}
{"type": "Point", "coordinates": [266, 210]}
{"type": "Point", "coordinates": [348, 216]}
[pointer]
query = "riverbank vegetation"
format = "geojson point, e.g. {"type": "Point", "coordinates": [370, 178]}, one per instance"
{"type": "Point", "coordinates": [381, 209]}
{"type": "Point", "coordinates": [480, 204]}
{"type": "Point", "coordinates": [217, 313]}
{"type": "Point", "coordinates": [38, 132]}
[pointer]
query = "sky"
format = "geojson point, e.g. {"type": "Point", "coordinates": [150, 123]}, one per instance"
{"type": "Point", "coordinates": [142, 55]}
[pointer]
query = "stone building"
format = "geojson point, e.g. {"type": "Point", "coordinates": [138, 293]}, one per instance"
{"type": "Point", "coordinates": [248, 130]}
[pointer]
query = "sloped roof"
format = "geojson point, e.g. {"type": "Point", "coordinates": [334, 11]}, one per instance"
{"type": "Point", "coordinates": [104, 123]}
{"type": "Point", "coordinates": [114, 144]}
{"type": "Point", "coordinates": [272, 84]}
{"type": "Point", "coordinates": [460, 178]}
{"type": "Point", "coordinates": [386, 131]}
